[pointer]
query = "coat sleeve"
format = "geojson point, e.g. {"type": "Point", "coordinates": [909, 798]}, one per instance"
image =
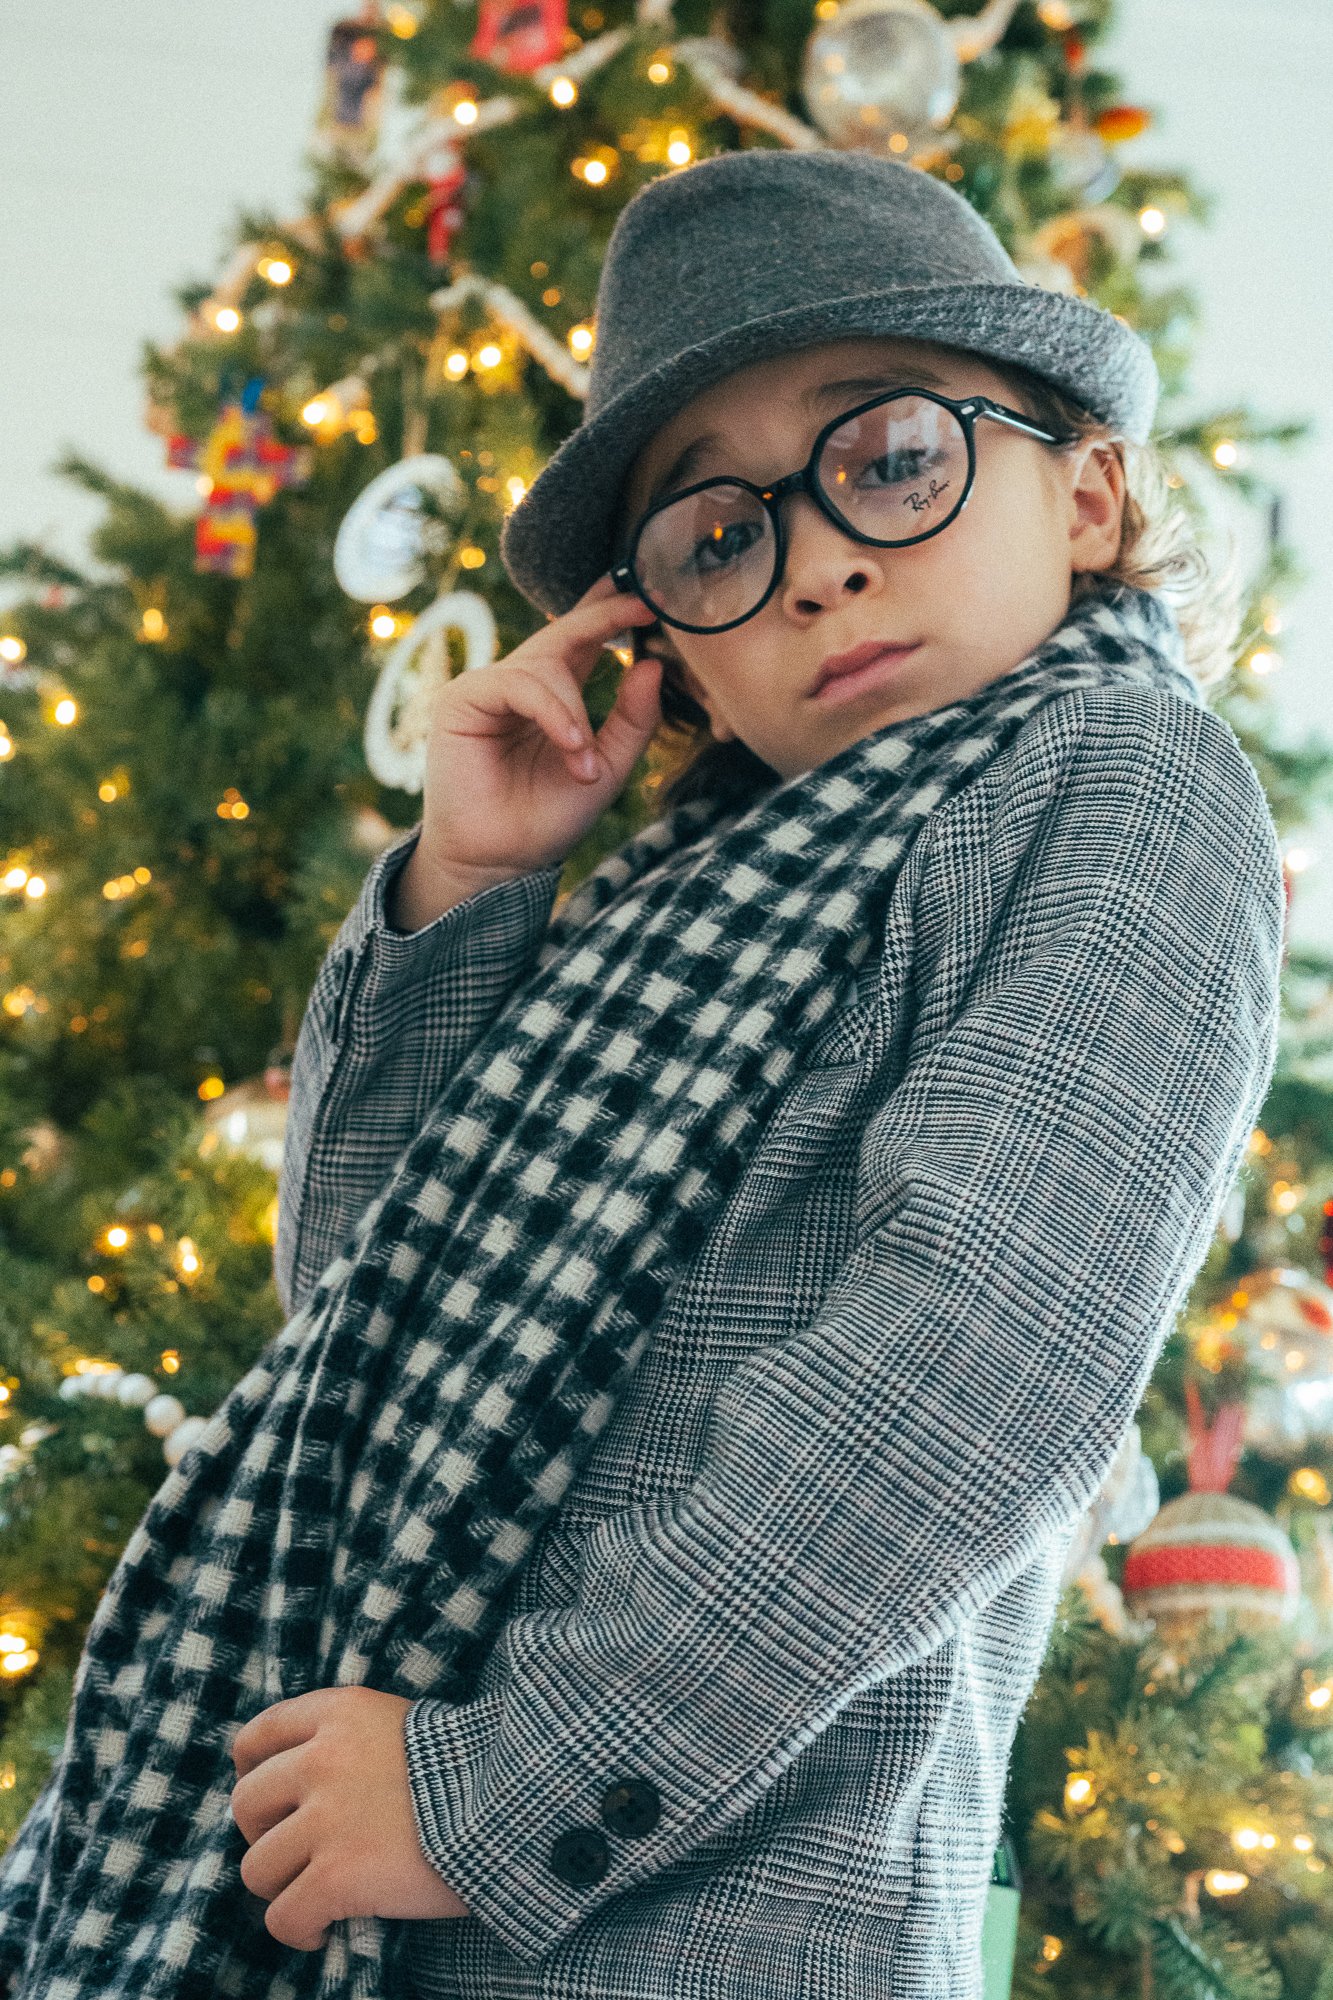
{"type": "Point", "coordinates": [391, 1016]}
{"type": "Point", "coordinates": [1097, 951]}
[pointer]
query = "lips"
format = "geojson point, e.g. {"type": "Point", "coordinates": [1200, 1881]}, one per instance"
{"type": "Point", "coordinates": [840, 664]}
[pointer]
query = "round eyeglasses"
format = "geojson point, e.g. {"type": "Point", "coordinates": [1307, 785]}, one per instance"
{"type": "Point", "coordinates": [892, 471]}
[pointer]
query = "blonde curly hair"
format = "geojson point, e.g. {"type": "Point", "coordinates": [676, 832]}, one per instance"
{"type": "Point", "coordinates": [1159, 550]}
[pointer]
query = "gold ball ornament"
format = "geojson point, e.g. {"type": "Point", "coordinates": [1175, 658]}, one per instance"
{"type": "Point", "coordinates": [249, 1119]}
{"type": "Point", "coordinates": [1071, 242]}
{"type": "Point", "coordinates": [880, 69]}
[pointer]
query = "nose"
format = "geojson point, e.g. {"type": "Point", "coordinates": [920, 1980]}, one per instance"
{"type": "Point", "coordinates": [823, 563]}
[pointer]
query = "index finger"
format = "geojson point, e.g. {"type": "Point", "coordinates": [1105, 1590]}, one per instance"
{"type": "Point", "coordinates": [274, 1728]}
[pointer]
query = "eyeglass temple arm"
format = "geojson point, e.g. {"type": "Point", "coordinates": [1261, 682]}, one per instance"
{"type": "Point", "coordinates": [982, 406]}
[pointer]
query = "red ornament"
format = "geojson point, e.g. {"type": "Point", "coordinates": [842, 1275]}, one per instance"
{"type": "Point", "coordinates": [520, 35]}
{"type": "Point", "coordinates": [443, 204]}
{"type": "Point", "coordinates": [1209, 1557]}
{"type": "Point", "coordinates": [1076, 50]}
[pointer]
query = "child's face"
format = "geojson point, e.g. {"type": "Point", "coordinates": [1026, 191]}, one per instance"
{"type": "Point", "coordinates": [978, 597]}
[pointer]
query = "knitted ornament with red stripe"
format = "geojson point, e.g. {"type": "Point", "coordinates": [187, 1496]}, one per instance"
{"type": "Point", "coordinates": [1209, 1559]}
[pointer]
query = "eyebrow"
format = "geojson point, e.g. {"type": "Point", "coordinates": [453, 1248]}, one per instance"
{"type": "Point", "coordinates": [821, 392]}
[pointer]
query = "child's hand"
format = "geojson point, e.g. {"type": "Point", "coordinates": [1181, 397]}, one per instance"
{"type": "Point", "coordinates": [325, 1803]}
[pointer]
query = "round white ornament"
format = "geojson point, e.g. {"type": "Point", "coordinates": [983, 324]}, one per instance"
{"type": "Point", "coordinates": [391, 532]}
{"type": "Point", "coordinates": [398, 718]}
{"type": "Point", "coordinates": [178, 1442]}
{"type": "Point", "coordinates": [133, 1391]}
{"type": "Point", "coordinates": [880, 67]}
{"type": "Point", "coordinates": [163, 1414]}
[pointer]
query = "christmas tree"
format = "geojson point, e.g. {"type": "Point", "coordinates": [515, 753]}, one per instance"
{"type": "Point", "coordinates": [208, 736]}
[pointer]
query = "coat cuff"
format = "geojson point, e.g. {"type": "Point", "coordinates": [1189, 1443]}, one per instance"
{"type": "Point", "coordinates": [559, 1830]}
{"type": "Point", "coordinates": [381, 960]}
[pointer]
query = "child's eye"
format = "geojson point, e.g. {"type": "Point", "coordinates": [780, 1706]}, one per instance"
{"type": "Point", "coordinates": [727, 542]}
{"type": "Point", "coordinates": [895, 467]}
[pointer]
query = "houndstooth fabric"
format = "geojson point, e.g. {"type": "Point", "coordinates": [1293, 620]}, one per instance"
{"type": "Point", "coordinates": [360, 1506]}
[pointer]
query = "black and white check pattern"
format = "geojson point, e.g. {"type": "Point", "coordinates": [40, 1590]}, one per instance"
{"type": "Point", "coordinates": [905, 1270]}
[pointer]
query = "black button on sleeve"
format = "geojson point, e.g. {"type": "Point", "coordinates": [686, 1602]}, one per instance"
{"type": "Point", "coordinates": [580, 1856]}
{"type": "Point", "coordinates": [632, 1807]}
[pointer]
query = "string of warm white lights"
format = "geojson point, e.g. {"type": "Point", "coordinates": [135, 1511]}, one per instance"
{"type": "Point", "coordinates": [514, 316]}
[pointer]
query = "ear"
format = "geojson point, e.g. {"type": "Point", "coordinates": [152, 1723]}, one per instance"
{"type": "Point", "coordinates": [1097, 503]}
{"type": "Point", "coordinates": [657, 641]}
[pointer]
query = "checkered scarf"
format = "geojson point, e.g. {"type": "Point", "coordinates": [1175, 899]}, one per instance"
{"type": "Point", "coordinates": [358, 1506]}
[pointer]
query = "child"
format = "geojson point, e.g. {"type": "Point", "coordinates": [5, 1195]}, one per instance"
{"type": "Point", "coordinates": [716, 1304]}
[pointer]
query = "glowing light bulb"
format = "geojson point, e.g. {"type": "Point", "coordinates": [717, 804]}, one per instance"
{"type": "Point", "coordinates": [1152, 221]}
{"type": "Point", "coordinates": [16, 878]}
{"type": "Point", "coordinates": [1245, 1836]}
{"type": "Point", "coordinates": [384, 625]}
{"type": "Point", "coordinates": [594, 172]}
{"type": "Point", "coordinates": [117, 1238]}
{"type": "Point", "coordinates": [12, 649]}
{"type": "Point", "coordinates": [226, 319]}
{"type": "Point", "coordinates": [564, 91]}
{"type": "Point", "coordinates": [152, 626]}
{"type": "Point", "coordinates": [6, 746]}
{"type": "Point", "coordinates": [471, 558]}
{"type": "Point", "coordinates": [187, 1258]}
{"type": "Point", "coordinates": [489, 356]}
{"type": "Point", "coordinates": [1225, 1882]}
{"type": "Point", "coordinates": [465, 111]}
{"type": "Point", "coordinates": [66, 711]}
{"type": "Point", "coordinates": [1318, 1697]}
{"type": "Point", "coordinates": [1263, 660]}
{"type": "Point", "coordinates": [315, 412]}
{"type": "Point", "coordinates": [456, 365]}
{"type": "Point", "coordinates": [1225, 454]}
{"type": "Point", "coordinates": [515, 488]}
{"type": "Point", "coordinates": [659, 72]}
{"type": "Point", "coordinates": [277, 270]}
{"type": "Point", "coordinates": [580, 341]}
{"type": "Point", "coordinates": [679, 152]}
{"type": "Point", "coordinates": [34, 887]}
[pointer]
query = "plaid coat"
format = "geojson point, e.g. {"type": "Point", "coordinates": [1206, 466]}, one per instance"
{"type": "Point", "coordinates": [956, 1252]}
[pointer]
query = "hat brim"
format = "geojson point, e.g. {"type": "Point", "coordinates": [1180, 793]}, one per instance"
{"type": "Point", "coordinates": [558, 540]}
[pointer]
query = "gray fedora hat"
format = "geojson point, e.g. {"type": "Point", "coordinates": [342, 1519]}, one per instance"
{"type": "Point", "coordinates": [753, 254]}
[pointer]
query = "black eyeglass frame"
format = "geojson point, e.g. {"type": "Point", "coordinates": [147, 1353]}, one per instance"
{"type": "Point", "coordinates": [967, 411]}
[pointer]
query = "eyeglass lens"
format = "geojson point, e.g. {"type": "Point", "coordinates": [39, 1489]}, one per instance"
{"type": "Point", "coordinates": [892, 474]}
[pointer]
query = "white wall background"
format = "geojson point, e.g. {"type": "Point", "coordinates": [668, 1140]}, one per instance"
{"type": "Point", "coordinates": [135, 129]}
